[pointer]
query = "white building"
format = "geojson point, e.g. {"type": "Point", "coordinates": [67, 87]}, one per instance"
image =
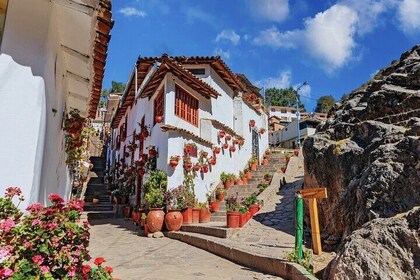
{"type": "Point", "coordinates": [52, 60]}
{"type": "Point", "coordinates": [197, 97]}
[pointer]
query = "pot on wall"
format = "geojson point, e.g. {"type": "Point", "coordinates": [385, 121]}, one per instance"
{"type": "Point", "coordinates": [243, 218]}
{"type": "Point", "coordinates": [217, 150]}
{"type": "Point", "coordinates": [251, 123]}
{"type": "Point", "coordinates": [159, 119]}
{"type": "Point", "coordinates": [173, 220]}
{"type": "Point", "coordinates": [154, 219]}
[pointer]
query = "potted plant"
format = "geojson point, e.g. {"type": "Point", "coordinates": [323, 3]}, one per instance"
{"type": "Point", "coordinates": [248, 173]}
{"type": "Point", "coordinates": [127, 212]}
{"type": "Point", "coordinates": [197, 167]}
{"type": "Point", "coordinates": [232, 212]}
{"type": "Point", "coordinates": [243, 178]}
{"type": "Point", "coordinates": [159, 119]}
{"type": "Point", "coordinates": [173, 161]}
{"type": "Point", "coordinates": [262, 186]}
{"type": "Point", "coordinates": [189, 148]}
{"type": "Point", "coordinates": [155, 198]}
{"type": "Point", "coordinates": [232, 148]}
{"type": "Point", "coordinates": [225, 146]}
{"type": "Point", "coordinates": [213, 203]}
{"type": "Point", "coordinates": [243, 215]}
{"type": "Point", "coordinates": [212, 160]}
{"type": "Point", "coordinates": [142, 220]}
{"type": "Point", "coordinates": [296, 152]}
{"type": "Point", "coordinates": [251, 123]}
{"type": "Point", "coordinates": [205, 214]}
{"type": "Point", "coordinates": [264, 162]}
{"type": "Point", "coordinates": [252, 203]}
{"type": "Point", "coordinates": [152, 151]}
{"type": "Point", "coordinates": [173, 217]}
{"type": "Point", "coordinates": [226, 179]}
{"type": "Point", "coordinates": [95, 199]}
{"type": "Point", "coordinates": [144, 158]}
{"type": "Point", "coordinates": [228, 137]}
{"type": "Point", "coordinates": [267, 177]}
{"type": "Point", "coordinates": [238, 181]}
{"type": "Point", "coordinates": [220, 194]}
{"type": "Point", "coordinates": [253, 163]}
{"type": "Point", "coordinates": [236, 141]}
{"type": "Point", "coordinates": [196, 212]}
{"type": "Point", "coordinates": [187, 163]}
{"type": "Point", "coordinates": [262, 130]}
{"type": "Point", "coordinates": [204, 168]}
{"type": "Point", "coordinates": [216, 150]}
{"type": "Point", "coordinates": [221, 134]}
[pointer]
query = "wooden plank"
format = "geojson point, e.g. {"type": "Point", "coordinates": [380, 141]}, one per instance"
{"type": "Point", "coordinates": [314, 193]}
{"type": "Point", "coordinates": [316, 234]}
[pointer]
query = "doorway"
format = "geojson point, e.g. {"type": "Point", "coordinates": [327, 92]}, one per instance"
{"type": "Point", "coordinates": [255, 144]}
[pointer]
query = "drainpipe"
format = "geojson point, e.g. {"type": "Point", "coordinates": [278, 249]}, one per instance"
{"type": "Point", "coordinates": [299, 226]}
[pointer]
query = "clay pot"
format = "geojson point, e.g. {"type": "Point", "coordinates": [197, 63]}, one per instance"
{"type": "Point", "coordinates": [253, 209]}
{"type": "Point", "coordinates": [213, 161]}
{"type": "Point", "coordinates": [154, 219]}
{"type": "Point", "coordinates": [296, 152]}
{"type": "Point", "coordinates": [159, 119]}
{"type": "Point", "coordinates": [145, 133]}
{"type": "Point", "coordinates": [239, 182]}
{"type": "Point", "coordinates": [205, 168]}
{"type": "Point", "coordinates": [248, 175]}
{"type": "Point", "coordinates": [196, 167]}
{"type": "Point", "coordinates": [220, 196]}
{"type": "Point", "coordinates": [251, 123]}
{"type": "Point", "coordinates": [127, 212]}
{"type": "Point", "coordinates": [196, 215]}
{"type": "Point", "coordinates": [265, 162]}
{"type": "Point", "coordinates": [228, 137]}
{"type": "Point", "coordinates": [232, 148]}
{"type": "Point", "coordinates": [187, 216]}
{"type": "Point", "coordinates": [243, 218]}
{"type": "Point", "coordinates": [188, 165]}
{"type": "Point", "coordinates": [214, 206]}
{"type": "Point", "coordinates": [253, 167]}
{"type": "Point", "coordinates": [144, 158]}
{"type": "Point", "coordinates": [140, 172]}
{"type": "Point", "coordinates": [152, 153]}
{"type": "Point", "coordinates": [217, 150]}
{"type": "Point", "coordinates": [173, 220]}
{"type": "Point", "coordinates": [228, 184]}
{"type": "Point", "coordinates": [205, 215]}
{"type": "Point", "coordinates": [146, 230]}
{"type": "Point", "coordinates": [225, 146]}
{"type": "Point", "coordinates": [221, 134]}
{"type": "Point", "coordinates": [245, 181]}
{"type": "Point", "coordinates": [173, 163]}
{"type": "Point", "coordinates": [232, 219]}
{"type": "Point", "coordinates": [135, 217]}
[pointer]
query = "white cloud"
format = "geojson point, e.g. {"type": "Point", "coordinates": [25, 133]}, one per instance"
{"type": "Point", "coordinates": [272, 10]}
{"type": "Point", "coordinates": [228, 35]}
{"type": "Point", "coordinates": [196, 14]}
{"type": "Point", "coordinates": [223, 54]}
{"type": "Point", "coordinates": [304, 90]}
{"type": "Point", "coordinates": [131, 11]}
{"type": "Point", "coordinates": [409, 16]}
{"type": "Point", "coordinates": [329, 36]}
{"type": "Point", "coordinates": [283, 81]}
{"type": "Point", "coordinates": [272, 37]}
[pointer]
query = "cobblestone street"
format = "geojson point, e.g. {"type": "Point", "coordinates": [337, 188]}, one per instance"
{"type": "Point", "coordinates": [136, 257]}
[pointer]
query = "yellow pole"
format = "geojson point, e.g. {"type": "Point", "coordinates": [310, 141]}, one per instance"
{"type": "Point", "coordinates": [316, 236]}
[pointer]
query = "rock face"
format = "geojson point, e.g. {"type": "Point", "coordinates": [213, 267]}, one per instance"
{"type": "Point", "coordinates": [368, 152]}
{"type": "Point", "coordinates": [383, 249]}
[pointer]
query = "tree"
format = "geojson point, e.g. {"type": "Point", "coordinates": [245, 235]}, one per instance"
{"type": "Point", "coordinates": [324, 104]}
{"type": "Point", "coordinates": [285, 97]}
{"type": "Point", "coordinates": [117, 87]}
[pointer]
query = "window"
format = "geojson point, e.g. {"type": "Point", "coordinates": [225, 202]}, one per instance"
{"type": "Point", "coordinates": [159, 103]}
{"type": "Point", "coordinates": [3, 9]}
{"type": "Point", "coordinates": [197, 71]}
{"type": "Point", "coordinates": [186, 106]}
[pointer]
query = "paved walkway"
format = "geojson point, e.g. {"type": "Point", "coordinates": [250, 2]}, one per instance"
{"type": "Point", "coordinates": [139, 258]}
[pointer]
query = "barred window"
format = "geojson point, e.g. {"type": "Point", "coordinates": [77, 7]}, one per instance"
{"type": "Point", "coordinates": [186, 106]}
{"type": "Point", "coordinates": [159, 103]}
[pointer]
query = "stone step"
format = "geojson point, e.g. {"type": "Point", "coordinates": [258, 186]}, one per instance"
{"type": "Point", "coordinates": [96, 215]}
{"type": "Point", "coordinates": [219, 213]}
{"type": "Point", "coordinates": [218, 218]}
{"type": "Point", "coordinates": [98, 207]}
{"type": "Point", "coordinates": [216, 229]}
{"type": "Point", "coordinates": [102, 199]}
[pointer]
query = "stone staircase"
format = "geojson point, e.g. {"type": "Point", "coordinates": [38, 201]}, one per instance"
{"type": "Point", "coordinates": [104, 209]}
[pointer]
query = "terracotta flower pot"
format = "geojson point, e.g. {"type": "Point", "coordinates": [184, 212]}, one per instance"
{"type": "Point", "coordinates": [144, 158]}
{"type": "Point", "coordinates": [173, 163]}
{"type": "Point", "coordinates": [220, 196]}
{"type": "Point", "coordinates": [217, 150]}
{"type": "Point", "coordinates": [245, 181]}
{"type": "Point", "coordinates": [127, 212]}
{"type": "Point", "coordinates": [140, 172]}
{"type": "Point", "coordinates": [154, 219]}
{"type": "Point", "coordinates": [236, 142]}
{"type": "Point", "coordinates": [248, 175]}
{"type": "Point", "coordinates": [225, 146]}
{"type": "Point", "coordinates": [221, 134]}
{"type": "Point", "coordinates": [265, 162]}
{"type": "Point", "coordinates": [296, 152]}
{"type": "Point", "coordinates": [196, 167]}
{"type": "Point", "coordinates": [232, 149]}
{"type": "Point", "coordinates": [196, 215]}
{"type": "Point", "coordinates": [213, 161]}
{"type": "Point", "coordinates": [253, 167]}
{"type": "Point", "coordinates": [228, 184]}
{"type": "Point", "coordinates": [173, 220]}
{"type": "Point", "coordinates": [187, 216]}
{"type": "Point", "coordinates": [145, 134]}
{"type": "Point", "coordinates": [248, 216]}
{"type": "Point", "coordinates": [214, 206]}
{"type": "Point", "coordinates": [146, 230]}
{"type": "Point", "coordinates": [251, 123]}
{"type": "Point", "coordinates": [159, 119]}
{"type": "Point", "coordinates": [152, 153]}
{"type": "Point", "coordinates": [228, 137]}
{"type": "Point", "coordinates": [188, 165]}
{"type": "Point", "coordinates": [205, 168]}
{"type": "Point", "coordinates": [205, 215]}
{"type": "Point", "coordinates": [253, 209]}
{"type": "Point", "coordinates": [232, 219]}
{"type": "Point", "coordinates": [243, 218]}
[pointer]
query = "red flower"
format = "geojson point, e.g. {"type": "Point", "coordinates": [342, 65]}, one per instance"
{"type": "Point", "coordinates": [99, 261]}
{"type": "Point", "coordinates": [86, 269]}
{"type": "Point", "coordinates": [35, 208]}
{"type": "Point", "coordinates": [109, 269]}
{"type": "Point", "coordinates": [38, 259]}
{"type": "Point", "coordinates": [55, 198]}
{"type": "Point", "coordinates": [12, 191]}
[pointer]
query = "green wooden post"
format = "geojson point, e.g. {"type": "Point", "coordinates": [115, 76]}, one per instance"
{"type": "Point", "coordinates": [299, 226]}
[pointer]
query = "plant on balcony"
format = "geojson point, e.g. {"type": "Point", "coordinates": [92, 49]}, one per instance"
{"type": "Point", "coordinates": [213, 160]}
{"type": "Point", "coordinates": [226, 178]}
{"type": "Point", "coordinates": [205, 168]}
{"type": "Point", "coordinates": [187, 163]}
{"type": "Point", "coordinates": [197, 167]}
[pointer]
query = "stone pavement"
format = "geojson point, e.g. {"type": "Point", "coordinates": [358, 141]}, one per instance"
{"type": "Point", "coordinates": [136, 257]}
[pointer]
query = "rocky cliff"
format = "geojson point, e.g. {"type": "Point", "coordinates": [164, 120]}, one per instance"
{"type": "Point", "coordinates": [368, 152]}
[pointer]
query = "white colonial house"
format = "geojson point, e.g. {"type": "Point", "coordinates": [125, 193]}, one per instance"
{"type": "Point", "coordinates": [52, 61]}
{"type": "Point", "coordinates": [197, 97]}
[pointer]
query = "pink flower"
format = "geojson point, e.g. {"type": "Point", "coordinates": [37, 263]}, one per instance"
{"type": "Point", "coordinates": [36, 222]}
{"type": "Point", "coordinates": [35, 208]}
{"type": "Point", "coordinates": [72, 272]}
{"type": "Point", "coordinates": [38, 259]}
{"type": "Point", "coordinates": [27, 244]}
{"type": "Point", "coordinates": [76, 204]}
{"type": "Point", "coordinates": [7, 225]}
{"type": "Point", "coordinates": [55, 198]}
{"type": "Point", "coordinates": [12, 191]}
{"type": "Point", "coordinates": [6, 272]}
{"type": "Point", "coordinates": [44, 269]}
{"type": "Point", "coordinates": [51, 225]}
{"type": "Point", "coordinates": [4, 254]}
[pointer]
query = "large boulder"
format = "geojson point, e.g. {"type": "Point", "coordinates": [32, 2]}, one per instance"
{"type": "Point", "coordinates": [385, 248]}
{"type": "Point", "coordinates": [367, 153]}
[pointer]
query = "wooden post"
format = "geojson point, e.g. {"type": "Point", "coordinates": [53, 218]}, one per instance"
{"type": "Point", "coordinates": [312, 195]}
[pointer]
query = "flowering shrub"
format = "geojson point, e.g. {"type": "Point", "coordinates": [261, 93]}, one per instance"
{"type": "Point", "coordinates": [47, 243]}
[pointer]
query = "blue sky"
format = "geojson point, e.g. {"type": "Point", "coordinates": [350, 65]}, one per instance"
{"type": "Point", "coordinates": [334, 45]}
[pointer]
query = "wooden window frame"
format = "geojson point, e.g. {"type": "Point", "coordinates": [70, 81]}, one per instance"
{"type": "Point", "coordinates": [186, 106]}
{"type": "Point", "coordinates": [159, 104]}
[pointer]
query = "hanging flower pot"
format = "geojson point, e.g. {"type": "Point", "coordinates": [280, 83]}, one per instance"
{"type": "Point", "coordinates": [236, 141]}
{"type": "Point", "coordinates": [251, 123]}
{"type": "Point", "coordinates": [173, 220]}
{"type": "Point", "coordinates": [145, 134]}
{"type": "Point", "coordinates": [205, 168]}
{"type": "Point", "coordinates": [196, 167]}
{"type": "Point", "coordinates": [140, 172]}
{"type": "Point", "coordinates": [159, 119]}
{"type": "Point", "coordinates": [173, 162]}
{"type": "Point", "coordinates": [188, 165]}
{"type": "Point", "coordinates": [204, 154]}
{"type": "Point", "coordinates": [225, 146]}
{"type": "Point", "coordinates": [228, 137]}
{"type": "Point", "coordinates": [262, 130]}
{"type": "Point", "coordinates": [154, 219]}
{"type": "Point", "coordinates": [214, 206]}
{"type": "Point", "coordinates": [257, 107]}
{"type": "Point", "coordinates": [216, 150]}
{"type": "Point", "coordinates": [213, 161]}
{"type": "Point", "coordinates": [221, 134]}
{"type": "Point", "coordinates": [232, 148]}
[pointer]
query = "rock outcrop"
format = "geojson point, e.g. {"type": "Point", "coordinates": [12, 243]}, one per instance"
{"type": "Point", "coordinates": [385, 248]}
{"type": "Point", "coordinates": [367, 154]}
